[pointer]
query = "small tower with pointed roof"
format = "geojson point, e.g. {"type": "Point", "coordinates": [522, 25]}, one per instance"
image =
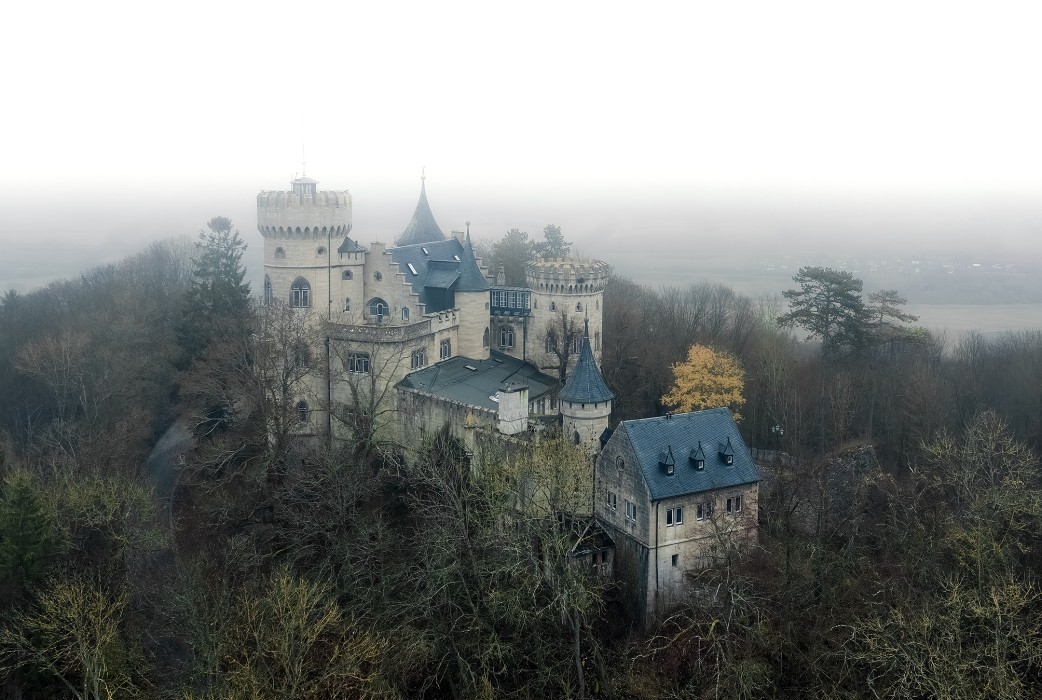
{"type": "Point", "coordinates": [585, 400]}
{"type": "Point", "coordinates": [422, 227]}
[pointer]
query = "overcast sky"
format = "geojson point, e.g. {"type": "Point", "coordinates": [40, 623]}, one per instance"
{"type": "Point", "coordinates": [197, 105]}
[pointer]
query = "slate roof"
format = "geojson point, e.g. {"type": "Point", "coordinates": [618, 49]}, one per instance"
{"type": "Point", "coordinates": [681, 434]}
{"type": "Point", "coordinates": [446, 264]}
{"type": "Point", "coordinates": [585, 384]}
{"type": "Point", "coordinates": [422, 228]}
{"type": "Point", "coordinates": [471, 279]}
{"type": "Point", "coordinates": [349, 246]}
{"type": "Point", "coordinates": [451, 380]}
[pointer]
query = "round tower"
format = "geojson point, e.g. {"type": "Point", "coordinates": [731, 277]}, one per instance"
{"type": "Point", "coordinates": [472, 300]}
{"type": "Point", "coordinates": [306, 249]}
{"type": "Point", "coordinates": [565, 293]}
{"type": "Point", "coordinates": [585, 401]}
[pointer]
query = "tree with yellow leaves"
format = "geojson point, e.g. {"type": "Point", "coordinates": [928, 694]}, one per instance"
{"type": "Point", "coordinates": [707, 379]}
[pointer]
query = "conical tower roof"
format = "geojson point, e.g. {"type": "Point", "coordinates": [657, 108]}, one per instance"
{"type": "Point", "coordinates": [470, 277]}
{"type": "Point", "coordinates": [422, 228]}
{"type": "Point", "coordinates": [585, 384]}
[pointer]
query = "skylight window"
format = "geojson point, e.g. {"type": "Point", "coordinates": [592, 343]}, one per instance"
{"type": "Point", "coordinates": [456, 257]}
{"type": "Point", "coordinates": [412, 269]}
{"type": "Point", "coordinates": [424, 249]}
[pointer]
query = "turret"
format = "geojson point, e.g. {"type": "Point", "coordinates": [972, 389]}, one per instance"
{"type": "Point", "coordinates": [565, 291]}
{"type": "Point", "coordinates": [585, 400]}
{"type": "Point", "coordinates": [472, 299]}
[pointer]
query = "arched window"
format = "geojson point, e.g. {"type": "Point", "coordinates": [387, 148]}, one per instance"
{"type": "Point", "coordinates": [575, 436]}
{"type": "Point", "coordinates": [506, 336]}
{"type": "Point", "coordinates": [348, 275]}
{"type": "Point", "coordinates": [579, 307]}
{"type": "Point", "coordinates": [300, 294]}
{"type": "Point", "coordinates": [303, 412]}
{"type": "Point", "coordinates": [267, 291]}
{"type": "Point", "coordinates": [378, 308]}
{"type": "Point", "coordinates": [553, 306]}
{"type": "Point", "coordinates": [484, 339]}
{"type": "Point", "coordinates": [280, 253]}
{"type": "Point", "coordinates": [405, 313]}
{"type": "Point", "coordinates": [347, 305]}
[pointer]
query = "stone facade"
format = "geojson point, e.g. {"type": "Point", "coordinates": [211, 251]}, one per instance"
{"type": "Point", "coordinates": [369, 305]}
{"type": "Point", "coordinates": [655, 549]}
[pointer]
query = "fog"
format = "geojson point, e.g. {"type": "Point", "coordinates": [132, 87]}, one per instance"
{"type": "Point", "coordinates": [678, 142]}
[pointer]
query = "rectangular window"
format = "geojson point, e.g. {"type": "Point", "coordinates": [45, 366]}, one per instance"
{"type": "Point", "coordinates": [734, 504]}
{"type": "Point", "coordinates": [358, 362]}
{"type": "Point", "coordinates": [419, 358]}
{"type": "Point", "coordinates": [445, 349]}
{"type": "Point", "coordinates": [674, 516]}
{"type": "Point", "coordinates": [611, 500]}
{"type": "Point", "coordinates": [631, 511]}
{"type": "Point", "coordinates": [704, 511]}
{"type": "Point", "coordinates": [675, 560]}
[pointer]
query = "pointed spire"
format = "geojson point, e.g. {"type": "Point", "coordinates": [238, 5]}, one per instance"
{"type": "Point", "coordinates": [422, 228]}
{"type": "Point", "coordinates": [585, 384]}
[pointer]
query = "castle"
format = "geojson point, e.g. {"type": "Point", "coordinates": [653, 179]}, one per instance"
{"type": "Point", "coordinates": [420, 331]}
{"type": "Point", "coordinates": [419, 337]}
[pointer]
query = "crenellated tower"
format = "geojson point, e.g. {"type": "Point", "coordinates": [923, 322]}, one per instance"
{"type": "Point", "coordinates": [567, 296]}
{"type": "Point", "coordinates": [309, 261]}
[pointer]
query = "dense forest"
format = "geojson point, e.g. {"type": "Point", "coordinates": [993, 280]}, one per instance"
{"type": "Point", "coordinates": [898, 553]}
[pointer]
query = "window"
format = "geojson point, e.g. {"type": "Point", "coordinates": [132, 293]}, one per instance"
{"type": "Point", "coordinates": [729, 459]}
{"type": "Point", "coordinates": [550, 343]}
{"type": "Point", "coordinates": [674, 516]}
{"type": "Point", "coordinates": [267, 291]}
{"type": "Point", "coordinates": [612, 500]}
{"type": "Point", "coordinates": [445, 349]}
{"type": "Point", "coordinates": [301, 357]}
{"type": "Point", "coordinates": [620, 463]}
{"type": "Point", "coordinates": [348, 275]}
{"type": "Point", "coordinates": [631, 511]}
{"type": "Point", "coordinates": [576, 340]}
{"type": "Point", "coordinates": [484, 339]}
{"type": "Point", "coordinates": [506, 337]}
{"type": "Point", "coordinates": [734, 504]}
{"type": "Point", "coordinates": [405, 314]}
{"type": "Point", "coordinates": [675, 560]}
{"type": "Point", "coordinates": [704, 511]}
{"type": "Point", "coordinates": [378, 275]}
{"type": "Point", "coordinates": [280, 253]}
{"type": "Point", "coordinates": [378, 308]}
{"type": "Point", "coordinates": [579, 307]}
{"type": "Point", "coordinates": [597, 341]}
{"type": "Point", "coordinates": [321, 251]}
{"type": "Point", "coordinates": [300, 294]}
{"type": "Point", "coordinates": [357, 363]}
{"type": "Point", "coordinates": [419, 358]}
{"type": "Point", "coordinates": [347, 305]}
{"type": "Point", "coordinates": [303, 412]}
{"type": "Point", "coordinates": [412, 268]}
{"type": "Point", "coordinates": [553, 306]}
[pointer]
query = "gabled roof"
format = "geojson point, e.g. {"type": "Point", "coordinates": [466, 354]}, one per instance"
{"type": "Point", "coordinates": [681, 434]}
{"type": "Point", "coordinates": [439, 265]}
{"type": "Point", "coordinates": [422, 228]}
{"type": "Point", "coordinates": [585, 384]}
{"type": "Point", "coordinates": [453, 380]}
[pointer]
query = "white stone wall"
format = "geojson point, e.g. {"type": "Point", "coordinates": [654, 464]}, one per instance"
{"type": "Point", "coordinates": [473, 320]}
{"type": "Point", "coordinates": [589, 420]}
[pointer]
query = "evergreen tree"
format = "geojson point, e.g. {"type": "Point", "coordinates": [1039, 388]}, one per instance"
{"type": "Point", "coordinates": [554, 246]}
{"type": "Point", "coordinates": [217, 293]}
{"type": "Point", "coordinates": [28, 535]}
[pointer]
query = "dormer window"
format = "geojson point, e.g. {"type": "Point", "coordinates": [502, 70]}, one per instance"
{"type": "Point", "coordinates": [666, 462]}
{"type": "Point", "coordinates": [726, 452]}
{"type": "Point", "coordinates": [698, 457]}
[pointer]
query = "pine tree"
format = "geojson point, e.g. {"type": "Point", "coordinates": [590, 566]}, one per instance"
{"type": "Point", "coordinates": [217, 294]}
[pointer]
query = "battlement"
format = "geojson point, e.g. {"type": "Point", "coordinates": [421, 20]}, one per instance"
{"type": "Point", "coordinates": [581, 275]}
{"type": "Point", "coordinates": [286, 214]}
